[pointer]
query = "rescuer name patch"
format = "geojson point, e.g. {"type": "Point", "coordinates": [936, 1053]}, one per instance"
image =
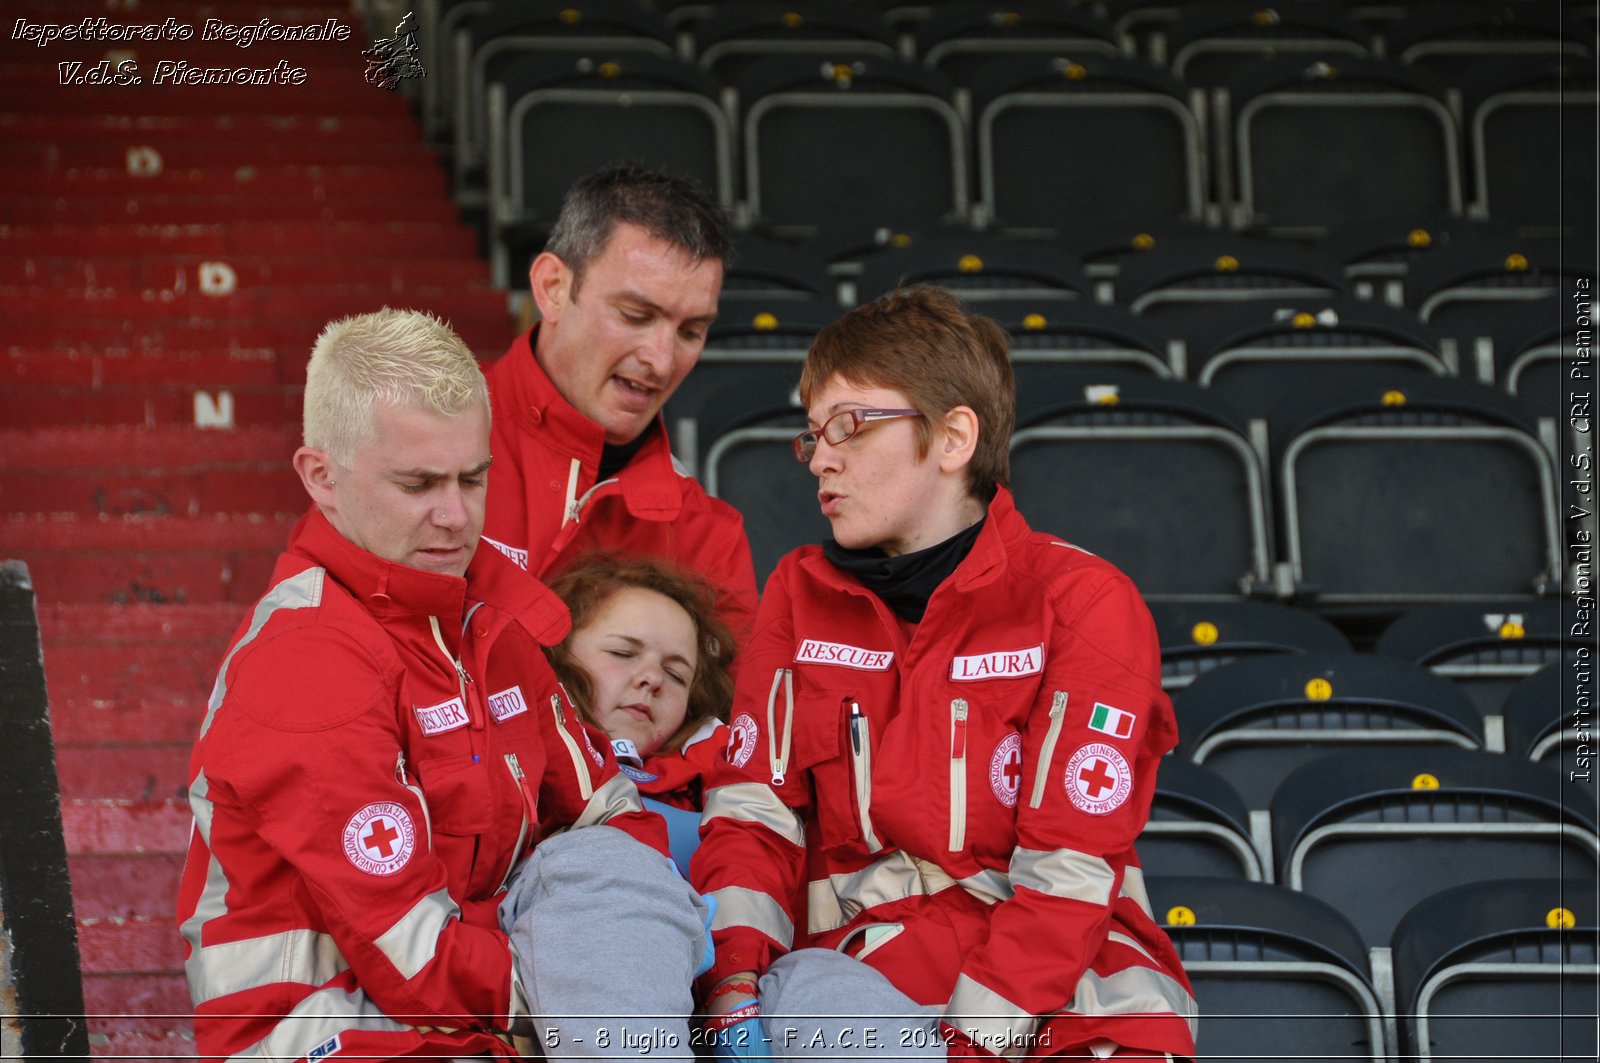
{"type": "Point", "coordinates": [445, 716]}
{"type": "Point", "coordinates": [812, 651]}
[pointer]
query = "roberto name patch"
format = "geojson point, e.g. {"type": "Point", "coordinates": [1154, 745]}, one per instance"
{"type": "Point", "coordinates": [380, 838]}
{"type": "Point", "coordinates": [1001, 664]}
{"type": "Point", "coordinates": [813, 652]}
{"type": "Point", "coordinates": [506, 704]}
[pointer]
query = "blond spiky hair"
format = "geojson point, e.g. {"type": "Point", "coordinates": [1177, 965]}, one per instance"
{"type": "Point", "coordinates": [400, 357]}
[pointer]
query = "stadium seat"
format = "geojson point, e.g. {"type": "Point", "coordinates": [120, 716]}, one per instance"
{"type": "Point", "coordinates": [1207, 42]}
{"type": "Point", "coordinates": [1211, 268]}
{"type": "Point", "coordinates": [1036, 120]}
{"type": "Point", "coordinates": [555, 117]}
{"type": "Point", "coordinates": [1258, 352]}
{"type": "Point", "coordinates": [820, 136]}
{"type": "Point", "coordinates": [778, 271]}
{"type": "Point", "coordinates": [1377, 253]}
{"type": "Point", "coordinates": [1533, 347]}
{"type": "Point", "coordinates": [1465, 294]}
{"type": "Point", "coordinates": [988, 271]}
{"type": "Point", "coordinates": [1081, 334]}
{"type": "Point", "coordinates": [1195, 638]}
{"type": "Point", "coordinates": [958, 39]}
{"type": "Point", "coordinates": [1198, 531]}
{"type": "Point", "coordinates": [1256, 720]}
{"type": "Point", "coordinates": [1485, 648]}
{"type": "Point", "coordinates": [1447, 482]}
{"type": "Point", "coordinates": [1455, 39]}
{"type": "Point", "coordinates": [756, 346]}
{"type": "Point", "coordinates": [494, 44]}
{"type": "Point", "coordinates": [733, 40]}
{"type": "Point", "coordinates": [1531, 132]}
{"type": "Point", "coordinates": [1323, 142]}
{"type": "Point", "coordinates": [1504, 969]}
{"type": "Point", "coordinates": [437, 23]}
{"type": "Point", "coordinates": [1198, 826]}
{"type": "Point", "coordinates": [1543, 712]}
{"type": "Point", "coordinates": [1277, 975]}
{"type": "Point", "coordinates": [1374, 831]}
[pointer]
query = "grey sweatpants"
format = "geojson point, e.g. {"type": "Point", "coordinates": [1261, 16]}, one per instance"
{"type": "Point", "coordinates": [607, 937]}
{"type": "Point", "coordinates": [818, 1004]}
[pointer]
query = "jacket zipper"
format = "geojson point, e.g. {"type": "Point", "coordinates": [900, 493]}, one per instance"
{"type": "Point", "coordinates": [958, 774]}
{"type": "Point", "coordinates": [1058, 712]}
{"type": "Point", "coordinates": [779, 755]}
{"type": "Point", "coordinates": [400, 777]}
{"type": "Point", "coordinates": [462, 678]}
{"type": "Point", "coordinates": [861, 768]}
{"type": "Point", "coordinates": [585, 781]}
{"type": "Point", "coordinates": [528, 816]}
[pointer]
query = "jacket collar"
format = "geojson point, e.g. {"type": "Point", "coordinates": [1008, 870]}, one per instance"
{"type": "Point", "coordinates": [388, 589]}
{"type": "Point", "coordinates": [649, 483]}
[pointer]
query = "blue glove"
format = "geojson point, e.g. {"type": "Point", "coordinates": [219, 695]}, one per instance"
{"type": "Point", "coordinates": [743, 1041]}
{"type": "Point", "coordinates": [710, 955]}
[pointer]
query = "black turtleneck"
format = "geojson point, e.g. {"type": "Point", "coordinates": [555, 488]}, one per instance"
{"type": "Point", "coordinates": [905, 583]}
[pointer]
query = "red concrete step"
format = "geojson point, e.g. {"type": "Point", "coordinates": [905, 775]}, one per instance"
{"type": "Point", "coordinates": [157, 1000]}
{"type": "Point", "coordinates": [141, 151]}
{"type": "Point", "coordinates": [403, 237]}
{"type": "Point", "coordinates": [157, 270]}
{"type": "Point", "coordinates": [148, 559]}
{"type": "Point", "coordinates": [34, 406]}
{"type": "Point", "coordinates": [175, 209]}
{"type": "Point", "coordinates": [284, 301]}
{"type": "Point", "coordinates": [325, 90]}
{"type": "Point", "coordinates": [123, 771]}
{"type": "Point", "coordinates": [85, 669]}
{"type": "Point", "coordinates": [222, 177]}
{"type": "Point", "coordinates": [63, 623]}
{"type": "Point", "coordinates": [209, 126]}
{"type": "Point", "coordinates": [155, 714]}
{"type": "Point", "coordinates": [108, 1042]}
{"type": "Point", "coordinates": [102, 825]}
{"type": "Point", "coordinates": [100, 367]}
{"type": "Point", "coordinates": [63, 449]}
{"type": "Point", "coordinates": [124, 886]}
{"type": "Point", "coordinates": [128, 946]}
{"type": "Point", "coordinates": [486, 335]}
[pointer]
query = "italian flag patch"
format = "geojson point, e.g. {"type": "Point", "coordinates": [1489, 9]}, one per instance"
{"type": "Point", "coordinates": [1111, 721]}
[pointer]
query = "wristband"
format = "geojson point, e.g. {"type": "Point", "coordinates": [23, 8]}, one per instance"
{"type": "Point", "coordinates": [735, 1017]}
{"type": "Point", "coordinates": [733, 985]}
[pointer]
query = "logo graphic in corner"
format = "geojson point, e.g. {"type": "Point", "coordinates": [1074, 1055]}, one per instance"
{"type": "Point", "coordinates": [741, 739]}
{"type": "Point", "coordinates": [1005, 770]}
{"type": "Point", "coordinates": [1098, 779]}
{"type": "Point", "coordinates": [506, 704]}
{"type": "Point", "coordinates": [1110, 720]}
{"type": "Point", "coordinates": [380, 838]}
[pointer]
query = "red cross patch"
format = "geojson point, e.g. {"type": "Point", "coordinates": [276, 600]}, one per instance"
{"type": "Point", "coordinates": [1005, 770]}
{"type": "Point", "coordinates": [1098, 778]}
{"type": "Point", "coordinates": [380, 838]}
{"type": "Point", "coordinates": [741, 739]}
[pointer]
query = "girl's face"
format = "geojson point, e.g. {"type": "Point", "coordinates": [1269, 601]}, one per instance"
{"type": "Point", "coordinates": [640, 652]}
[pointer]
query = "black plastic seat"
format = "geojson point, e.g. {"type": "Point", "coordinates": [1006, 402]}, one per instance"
{"type": "Point", "coordinates": [1207, 269]}
{"type": "Point", "coordinates": [1485, 648]}
{"type": "Point", "coordinates": [1198, 826]}
{"type": "Point", "coordinates": [1256, 720]}
{"type": "Point", "coordinates": [1323, 141]}
{"type": "Point", "coordinates": [1374, 831]}
{"type": "Point", "coordinates": [991, 272]}
{"type": "Point", "coordinates": [1199, 529]}
{"type": "Point", "coordinates": [1543, 712]}
{"type": "Point", "coordinates": [1464, 507]}
{"type": "Point", "coordinates": [1376, 253]}
{"type": "Point", "coordinates": [1207, 42]}
{"type": "Point", "coordinates": [1454, 39]}
{"type": "Point", "coordinates": [1258, 352]}
{"type": "Point", "coordinates": [1277, 975]}
{"type": "Point", "coordinates": [1195, 638]}
{"type": "Point", "coordinates": [821, 139]}
{"type": "Point", "coordinates": [554, 117]}
{"type": "Point", "coordinates": [1082, 334]}
{"type": "Point", "coordinates": [734, 40]}
{"type": "Point", "coordinates": [1035, 115]}
{"type": "Point", "coordinates": [1500, 970]}
{"type": "Point", "coordinates": [958, 39]}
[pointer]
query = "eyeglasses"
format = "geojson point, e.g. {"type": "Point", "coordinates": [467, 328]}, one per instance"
{"type": "Point", "coordinates": [841, 426]}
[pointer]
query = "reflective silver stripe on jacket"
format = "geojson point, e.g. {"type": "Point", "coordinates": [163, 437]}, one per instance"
{"type": "Point", "coordinates": [302, 591]}
{"type": "Point", "coordinates": [990, 1019]}
{"type": "Point", "coordinates": [615, 797]}
{"type": "Point", "coordinates": [738, 906]}
{"type": "Point", "coordinates": [304, 957]}
{"type": "Point", "coordinates": [1133, 889]}
{"type": "Point", "coordinates": [1064, 873]}
{"type": "Point", "coordinates": [317, 1018]}
{"type": "Point", "coordinates": [834, 901]}
{"type": "Point", "coordinates": [1134, 991]}
{"type": "Point", "coordinates": [413, 941]}
{"type": "Point", "coordinates": [753, 802]}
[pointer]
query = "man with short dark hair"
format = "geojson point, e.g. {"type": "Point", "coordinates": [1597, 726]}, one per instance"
{"type": "Point", "coordinates": [626, 289]}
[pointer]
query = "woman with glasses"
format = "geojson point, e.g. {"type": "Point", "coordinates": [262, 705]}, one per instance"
{"type": "Point", "coordinates": [944, 742]}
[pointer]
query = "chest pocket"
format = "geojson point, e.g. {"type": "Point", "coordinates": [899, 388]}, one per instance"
{"type": "Point", "coordinates": [837, 744]}
{"type": "Point", "coordinates": [458, 794]}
